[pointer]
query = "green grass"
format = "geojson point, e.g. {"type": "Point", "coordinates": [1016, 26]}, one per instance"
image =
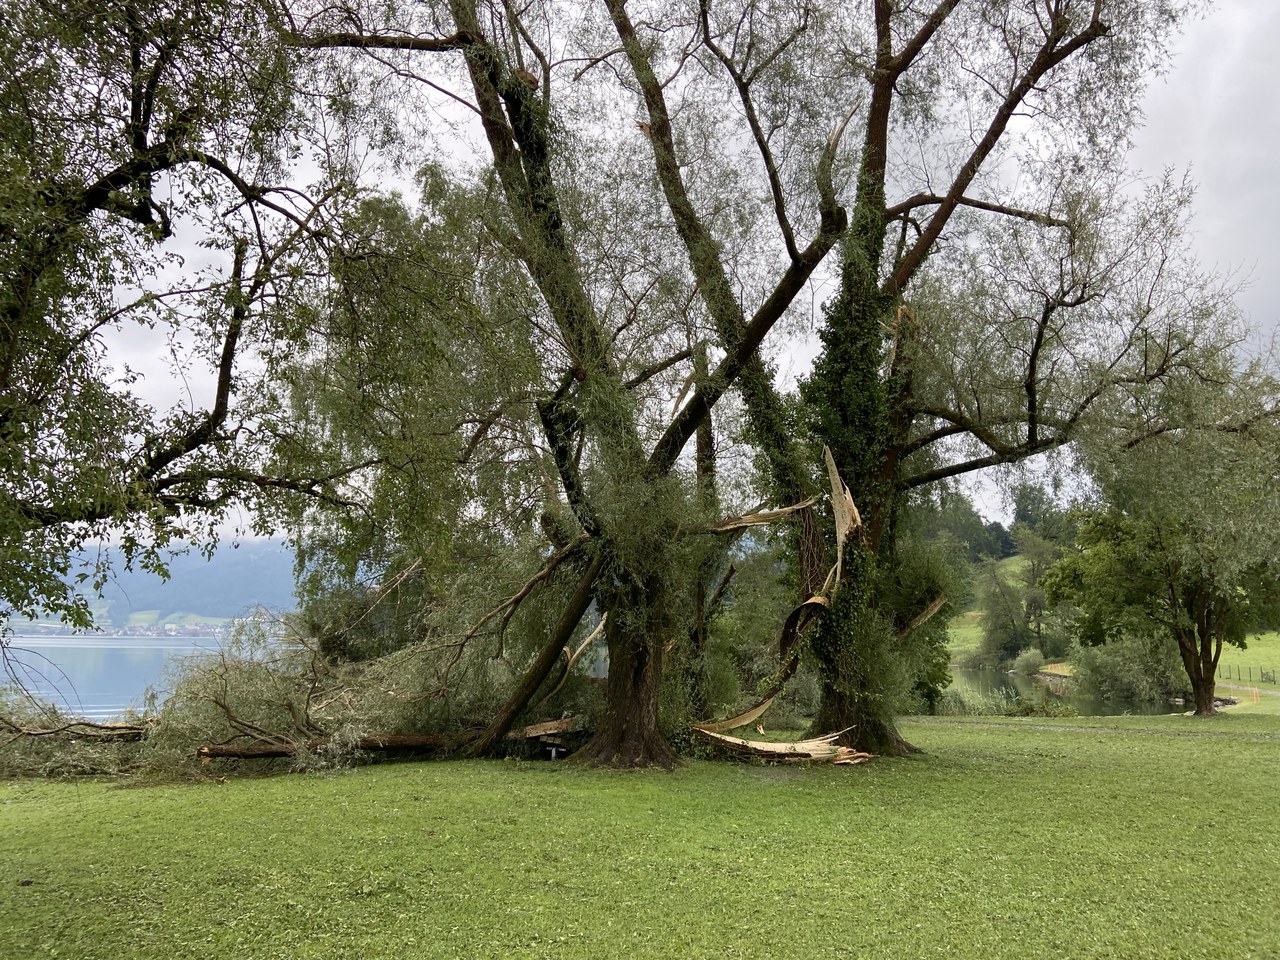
{"type": "Point", "coordinates": [1261, 653]}
{"type": "Point", "coordinates": [1083, 838]}
{"type": "Point", "coordinates": [964, 634]}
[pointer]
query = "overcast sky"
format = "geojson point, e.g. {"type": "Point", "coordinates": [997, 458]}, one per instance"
{"type": "Point", "coordinates": [1217, 112]}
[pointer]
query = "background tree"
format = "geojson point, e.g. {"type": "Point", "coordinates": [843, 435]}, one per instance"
{"type": "Point", "coordinates": [1040, 275]}
{"type": "Point", "coordinates": [125, 128]}
{"type": "Point", "coordinates": [1184, 540]}
{"type": "Point", "coordinates": [943, 512]}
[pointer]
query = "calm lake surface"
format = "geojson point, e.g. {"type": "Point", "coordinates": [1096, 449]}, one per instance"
{"type": "Point", "coordinates": [97, 677]}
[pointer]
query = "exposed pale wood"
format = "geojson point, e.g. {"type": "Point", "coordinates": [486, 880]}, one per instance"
{"type": "Point", "coordinates": [814, 750]}
{"type": "Point", "coordinates": [741, 720]}
{"type": "Point", "coordinates": [789, 650]}
{"type": "Point", "coordinates": [567, 725]}
{"type": "Point", "coordinates": [759, 518]}
{"type": "Point", "coordinates": [920, 619]}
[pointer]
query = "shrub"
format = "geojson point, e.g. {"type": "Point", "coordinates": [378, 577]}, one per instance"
{"type": "Point", "coordinates": [1029, 662]}
{"type": "Point", "coordinates": [75, 754]}
{"type": "Point", "coordinates": [1135, 668]}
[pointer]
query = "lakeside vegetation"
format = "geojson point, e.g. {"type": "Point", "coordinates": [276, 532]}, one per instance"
{"type": "Point", "coordinates": [1010, 838]}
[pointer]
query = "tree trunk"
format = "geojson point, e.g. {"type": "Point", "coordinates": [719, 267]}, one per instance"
{"type": "Point", "coordinates": [856, 650]}
{"type": "Point", "coordinates": [1203, 688]}
{"type": "Point", "coordinates": [628, 734]}
{"type": "Point", "coordinates": [873, 731]}
{"type": "Point", "coordinates": [1200, 660]}
{"type": "Point", "coordinates": [433, 744]}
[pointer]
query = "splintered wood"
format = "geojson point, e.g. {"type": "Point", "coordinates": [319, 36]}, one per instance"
{"type": "Point", "coordinates": [816, 750]}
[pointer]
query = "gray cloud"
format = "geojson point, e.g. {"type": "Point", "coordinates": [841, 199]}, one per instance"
{"type": "Point", "coordinates": [1217, 112]}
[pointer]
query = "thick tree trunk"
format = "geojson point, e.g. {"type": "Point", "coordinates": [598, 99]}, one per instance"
{"type": "Point", "coordinates": [1204, 688]}
{"type": "Point", "coordinates": [628, 734]}
{"type": "Point", "coordinates": [872, 731]}
{"type": "Point", "coordinates": [1200, 659]}
{"type": "Point", "coordinates": [1200, 671]}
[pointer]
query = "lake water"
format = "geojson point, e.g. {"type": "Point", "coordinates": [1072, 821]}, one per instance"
{"type": "Point", "coordinates": [97, 677]}
{"type": "Point", "coordinates": [985, 683]}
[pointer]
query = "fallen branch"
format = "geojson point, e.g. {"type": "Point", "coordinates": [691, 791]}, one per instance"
{"type": "Point", "coordinates": [920, 619]}
{"type": "Point", "coordinates": [82, 730]}
{"type": "Point", "coordinates": [541, 667]}
{"type": "Point", "coordinates": [572, 658]}
{"type": "Point", "coordinates": [392, 743]}
{"type": "Point", "coordinates": [815, 750]}
{"type": "Point", "coordinates": [374, 743]}
{"type": "Point", "coordinates": [758, 518]}
{"type": "Point", "coordinates": [550, 728]}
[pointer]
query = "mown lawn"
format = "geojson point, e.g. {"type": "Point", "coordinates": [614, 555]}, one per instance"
{"type": "Point", "coordinates": [1098, 837]}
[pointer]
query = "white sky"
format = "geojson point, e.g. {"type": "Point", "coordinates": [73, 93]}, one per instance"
{"type": "Point", "coordinates": [1217, 112]}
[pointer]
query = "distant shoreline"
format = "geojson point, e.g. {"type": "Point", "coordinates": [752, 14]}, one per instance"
{"type": "Point", "coordinates": [155, 630]}
{"type": "Point", "coordinates": [111, 641]}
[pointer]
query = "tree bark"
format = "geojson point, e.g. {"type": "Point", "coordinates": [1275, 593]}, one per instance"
{"type": "Point", "coordinates": [873, 731]}
{"type": "Point", "coordinates": [1200, 660]}
{"type": "Point", "coordinates": [1203, 688]}
{"type": "Point", "coordinates": [628, 735]}
{"type": "Point", "coordinates": [432, 743]}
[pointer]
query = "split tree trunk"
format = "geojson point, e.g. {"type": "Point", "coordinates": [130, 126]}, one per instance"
{"type": "Point", "coordinates": [872, 731]}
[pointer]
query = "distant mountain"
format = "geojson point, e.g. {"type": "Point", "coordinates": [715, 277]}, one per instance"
{"type": "Point", "coordinates": [238, 578]}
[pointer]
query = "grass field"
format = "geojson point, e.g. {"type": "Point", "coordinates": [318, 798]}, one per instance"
{"type": "Point", "coordinates": [1261, 653]}
{"type": "Point", "coordinates": [1084, 838]}
{"type": "Point", "coordinates": [964, 634]}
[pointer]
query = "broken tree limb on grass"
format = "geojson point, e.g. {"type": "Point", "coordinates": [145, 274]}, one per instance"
{"type": "Point", "coordinates": [373, 743]}
{"type": "Point", "coordinates": [814, 750]}
{"type": "Point", "coordinates": [82, 730]}
{"type": "Point", "coordinates": [389, 743]}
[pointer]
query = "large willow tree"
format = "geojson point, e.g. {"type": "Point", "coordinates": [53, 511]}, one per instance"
{"type": "Point", "coordinates": [675, 174]}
